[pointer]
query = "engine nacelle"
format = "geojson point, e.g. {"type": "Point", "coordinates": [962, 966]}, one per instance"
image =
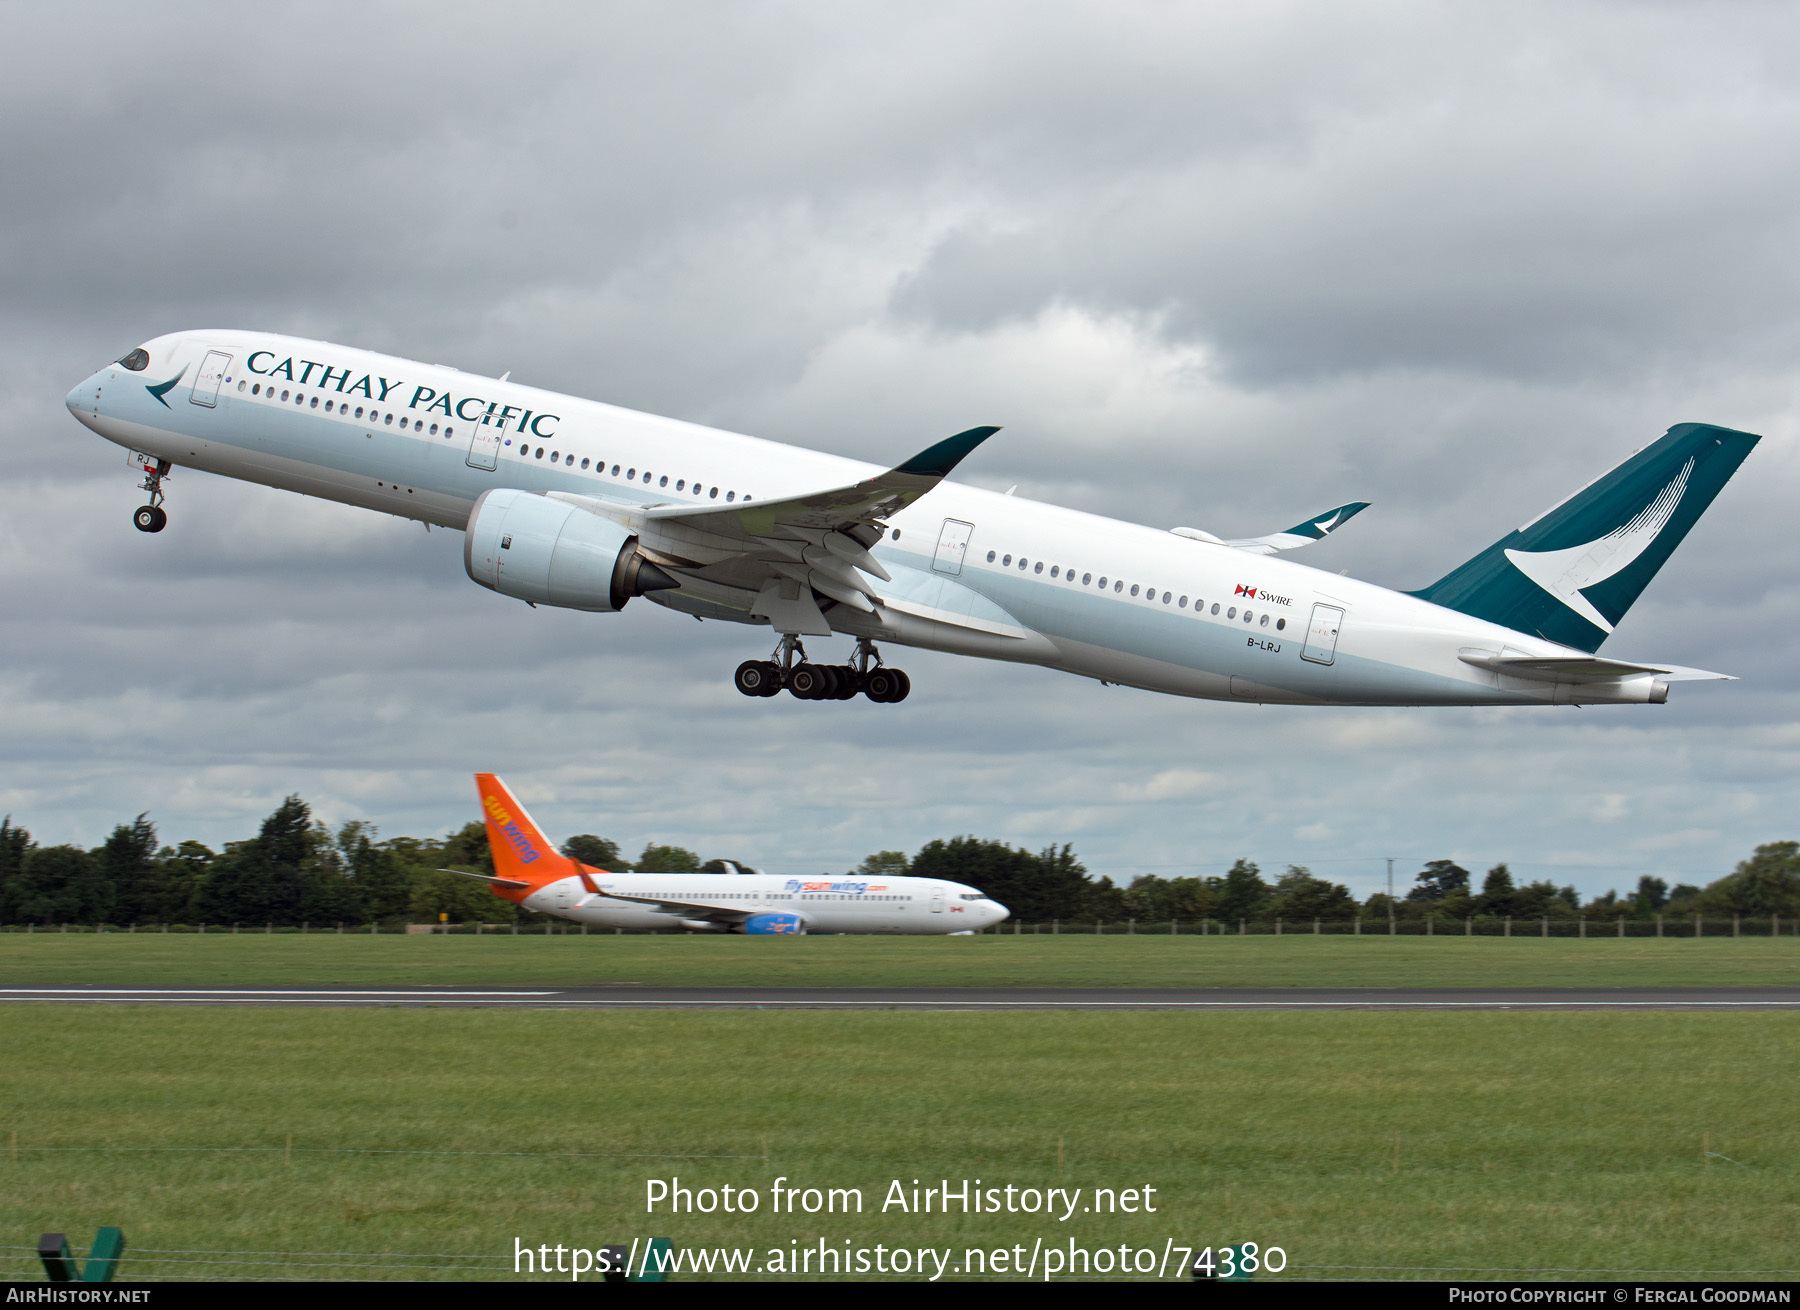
{"type": "Point", "coordinates": [786, 925]}
{"type": "Point", "coordinates": [550, 552]}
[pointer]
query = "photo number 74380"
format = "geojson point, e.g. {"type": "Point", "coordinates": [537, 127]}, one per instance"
{"type": "Point", "coordinates": [1240, 1261]}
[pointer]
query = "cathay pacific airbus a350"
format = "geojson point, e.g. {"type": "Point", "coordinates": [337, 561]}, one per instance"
{"type": "Point", "coordinates": [573, 503]}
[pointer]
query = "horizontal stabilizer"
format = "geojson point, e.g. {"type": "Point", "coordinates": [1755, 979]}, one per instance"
{"type": "Point", "coordinates": [511, 883]}
{"type": "Point", "coordinates": [1583, 668]}
{"type": "Point", "coordinates": [1316, 528]}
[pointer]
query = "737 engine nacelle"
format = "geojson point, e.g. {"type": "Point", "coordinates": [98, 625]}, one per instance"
{"type": "Point", "coordinates": [785, 925]}
{"type": "Point", "coordinates": [550, 552]}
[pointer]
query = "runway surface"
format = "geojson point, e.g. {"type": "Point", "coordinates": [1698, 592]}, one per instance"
{"type": "Point", "coordinates": [626, 996]}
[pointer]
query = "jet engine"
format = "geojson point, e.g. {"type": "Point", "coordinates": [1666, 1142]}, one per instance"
{"type": "Point", "coordinates": [550, 552]}
{"type": "Point", "coordinates": [789, 925]}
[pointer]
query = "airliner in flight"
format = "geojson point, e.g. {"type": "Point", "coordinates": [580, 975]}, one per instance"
{"type": "Point", "coordinates": [532, 874]}
{"type": "Point", "coordinates": [573, 503]}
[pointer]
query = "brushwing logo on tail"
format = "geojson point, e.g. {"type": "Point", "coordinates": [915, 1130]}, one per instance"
{"type": "Point", "coordinates": [1565, 574]}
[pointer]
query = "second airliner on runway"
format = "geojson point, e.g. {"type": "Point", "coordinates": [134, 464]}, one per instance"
{"type": "Point", "coordinates": [532, 874]}
{"type": "Point", "coordinates": [572, 503]}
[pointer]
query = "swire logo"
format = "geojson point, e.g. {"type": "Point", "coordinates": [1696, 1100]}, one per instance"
{"type": "Point", "coordinates": [1242, 590]}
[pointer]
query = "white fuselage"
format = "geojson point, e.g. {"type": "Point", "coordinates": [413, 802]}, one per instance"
{"type": "Point", "coordinates": [1035, 583]}
{"type": "Point", "coordinates": [903, 905]}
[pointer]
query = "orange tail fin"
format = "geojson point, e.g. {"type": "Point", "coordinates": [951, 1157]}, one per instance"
{"type": "Point", "coordinates": [521, 852]}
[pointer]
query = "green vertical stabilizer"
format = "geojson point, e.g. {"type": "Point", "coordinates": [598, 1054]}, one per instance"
{"type": "Point", "coordinates": [1570, 574]}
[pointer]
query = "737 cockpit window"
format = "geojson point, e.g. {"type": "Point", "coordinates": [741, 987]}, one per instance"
{"type": "Point", "coordinates": [137, 361]}
{"type": "Point", "coordinates": [973, 896]}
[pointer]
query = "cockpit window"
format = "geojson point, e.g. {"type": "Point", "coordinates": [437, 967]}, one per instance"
{"type": "Point", "coordinates": [973, 896]}
{"type": "Point", "coordinates": [137, 361]}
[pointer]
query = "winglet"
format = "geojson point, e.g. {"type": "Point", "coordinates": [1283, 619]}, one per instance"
{"type": "Point", "coordinates": [1319, 526]}
{"type": "Point", "coordinates": [1315, 528]}
{"type": "Point", "coordinates": [522, 854]}
{"type": "Point", "coordinates": [938, 460]}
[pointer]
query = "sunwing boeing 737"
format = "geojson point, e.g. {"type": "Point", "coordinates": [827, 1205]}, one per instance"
{"type": "Point", "coordinates": [574, 503]}
{"type": "Point", "coordinates": [531, 873]}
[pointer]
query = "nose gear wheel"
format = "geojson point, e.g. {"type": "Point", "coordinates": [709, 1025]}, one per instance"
{"type": "Point", "coordinates": [152, 517]}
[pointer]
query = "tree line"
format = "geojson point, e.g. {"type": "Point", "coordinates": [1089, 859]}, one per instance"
{"type": "Point", "coordinates": [298, 870]}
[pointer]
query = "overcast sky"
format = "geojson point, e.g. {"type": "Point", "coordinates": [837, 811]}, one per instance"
{"type": "Point", "coordinates": [1220, 265]}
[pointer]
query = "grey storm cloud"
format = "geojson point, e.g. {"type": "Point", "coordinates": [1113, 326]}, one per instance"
{"type": "Point", "coordinates": [1216, 265]}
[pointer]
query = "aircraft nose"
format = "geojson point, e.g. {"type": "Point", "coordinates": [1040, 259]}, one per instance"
{"type": "Point", "coordinates": [84, 400]}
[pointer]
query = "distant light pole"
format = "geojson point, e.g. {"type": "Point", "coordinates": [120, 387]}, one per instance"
{"type": "Point", "coordinates": [1390, 896]}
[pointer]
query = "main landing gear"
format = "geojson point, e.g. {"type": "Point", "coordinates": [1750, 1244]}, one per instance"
{"type": "Point", "coordinates": [805, 680]}
{"type": "Point", "coordinates": [152, 517]}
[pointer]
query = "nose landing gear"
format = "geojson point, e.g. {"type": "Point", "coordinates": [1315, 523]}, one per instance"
{"type": "Point", "coordinates": [152, 517]}
{"type": "Point", "coordinates": [805, 680]}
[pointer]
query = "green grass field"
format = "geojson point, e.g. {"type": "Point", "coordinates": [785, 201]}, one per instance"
{"type": "Point", "coordinates": [153, 959]}
{"type": "Point", "coordinates": [1364, 1143]}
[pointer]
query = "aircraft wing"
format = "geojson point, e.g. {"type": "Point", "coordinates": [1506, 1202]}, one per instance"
{"type": "Point", "coordinates": [783, 551]}
{"type": "Point", "coordinates": [1582, 668]}
{"type": "Point", "coordinates": [840, 509]}
{"type": "Point", "coordinates": [695, 909]}
{"type": "Point", "coordinates": [1316, 528]}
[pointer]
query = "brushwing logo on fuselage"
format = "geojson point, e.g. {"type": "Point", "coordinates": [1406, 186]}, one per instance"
{"type": "Point", "coordinates": [161, 389]}
{"type": "Point", "coordinates": [1566, 573]}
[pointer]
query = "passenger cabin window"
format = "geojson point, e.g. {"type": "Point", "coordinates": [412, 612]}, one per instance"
{"type": "Point", "coordinates": [990, 557]}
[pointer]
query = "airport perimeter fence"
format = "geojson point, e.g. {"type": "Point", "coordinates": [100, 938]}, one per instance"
{"type": "Point", "coordinates": [1584, 926]}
